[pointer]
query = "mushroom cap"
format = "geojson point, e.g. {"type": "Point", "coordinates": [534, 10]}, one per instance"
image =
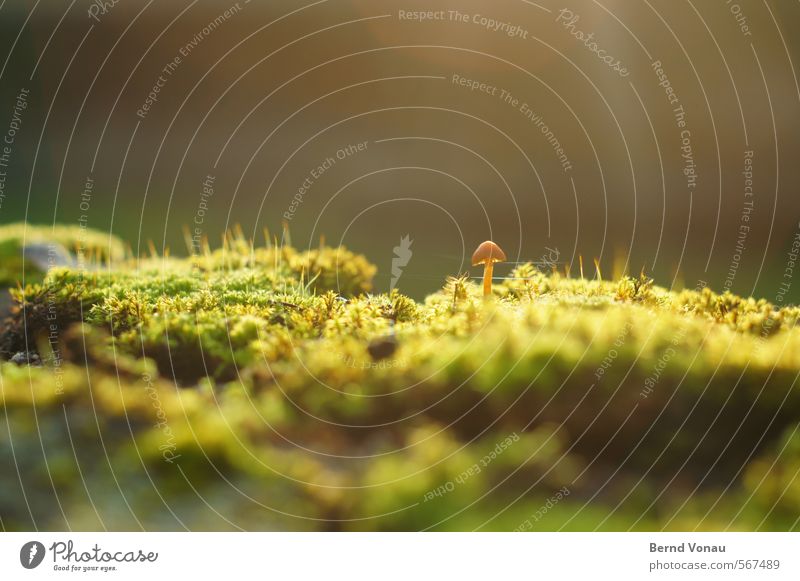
{"type": "Point", "coordinates": [488, 252]}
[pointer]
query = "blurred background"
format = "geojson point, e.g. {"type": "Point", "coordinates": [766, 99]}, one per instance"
{"type": "Point", "coordinates": [652, 134]}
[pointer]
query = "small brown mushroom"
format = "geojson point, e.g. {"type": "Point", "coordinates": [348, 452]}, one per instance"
{"type": "Point", "coordinates": [487, 254]}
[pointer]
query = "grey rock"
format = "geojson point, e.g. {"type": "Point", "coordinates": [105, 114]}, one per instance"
{"type": "Point", "coordinates": [27, 358]}
{"type": "Point", "coordinates": [46, 255]}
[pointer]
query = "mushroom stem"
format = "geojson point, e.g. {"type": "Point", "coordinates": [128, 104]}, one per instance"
{"type": "Point", "coordinates": [488, 270]}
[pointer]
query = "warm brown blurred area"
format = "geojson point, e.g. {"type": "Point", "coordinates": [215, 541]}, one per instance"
{"type": "Point", "coordinates": [611, 129]}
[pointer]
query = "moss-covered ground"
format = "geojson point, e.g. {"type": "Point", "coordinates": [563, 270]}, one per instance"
{"type": "Point", "coordinates": [266, 388]}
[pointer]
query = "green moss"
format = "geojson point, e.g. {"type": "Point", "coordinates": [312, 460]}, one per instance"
{"type": "Point", "coordinates": [90, 246]}
{"type": "Point", "coordinates": [237, 389]}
